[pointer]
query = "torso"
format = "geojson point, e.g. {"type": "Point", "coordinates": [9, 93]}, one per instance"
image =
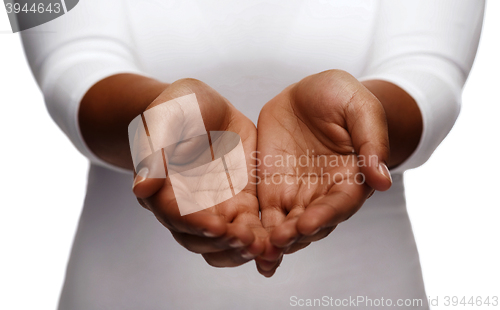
{"type": "Point", "coordinates": [248, 51]}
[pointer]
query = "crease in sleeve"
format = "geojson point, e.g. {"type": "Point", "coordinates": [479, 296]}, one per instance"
{"type": "Point", "coordinates": [427, 49]}
{"type": "Point", "coordinates": [66, 82]}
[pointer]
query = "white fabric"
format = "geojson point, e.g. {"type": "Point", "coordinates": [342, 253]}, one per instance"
{"type": "Point", "coordinates": [249, 51]}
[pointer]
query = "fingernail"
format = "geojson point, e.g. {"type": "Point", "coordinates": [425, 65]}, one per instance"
{"type": "Point", "coordinates": [382, 167]}
{"type": "Point", "coordinates": [236, 243]}
{"type": "Point", "coordinates": [141, 176]}
{"type": "Point", "coordinates": [247, 255]}
{"type": "Point", "coordinates": [209, 234]}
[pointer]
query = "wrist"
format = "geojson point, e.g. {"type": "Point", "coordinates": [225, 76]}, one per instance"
{"type": "Point", "coordinates": [107, 109]}
{"type": "Point", "coordinates": [404, 119]}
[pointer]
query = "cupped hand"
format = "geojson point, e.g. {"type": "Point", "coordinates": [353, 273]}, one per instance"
{"type": "Point", "coordinates": [229, 233]}
{"type": "Point", "coordinates": [322, 149]}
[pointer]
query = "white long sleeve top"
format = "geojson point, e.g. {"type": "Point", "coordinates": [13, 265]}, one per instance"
{"type": "Point", "coordinates": [249, 51]}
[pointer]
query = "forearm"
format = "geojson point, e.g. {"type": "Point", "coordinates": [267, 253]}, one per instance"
{"type": "Point", "coordinates": [404, 119]}
{"type": "Point", "coordinates": [107, 109]}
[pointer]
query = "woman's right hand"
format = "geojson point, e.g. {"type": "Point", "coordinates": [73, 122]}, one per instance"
{"type": "Point", "coordinates": [230, 233]}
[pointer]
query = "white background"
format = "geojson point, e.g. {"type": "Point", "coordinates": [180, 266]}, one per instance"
{"type": "Point", "coordinates": [453, 200]}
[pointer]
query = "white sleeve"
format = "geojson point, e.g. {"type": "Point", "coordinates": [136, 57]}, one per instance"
{"type": "Point", "coordinates": [427, 48]}
{"type": "Point", "coordinates": [73, 52]}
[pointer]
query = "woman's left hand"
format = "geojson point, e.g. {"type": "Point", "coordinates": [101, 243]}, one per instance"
{"type": "Point", "coordinates": [322, 148]}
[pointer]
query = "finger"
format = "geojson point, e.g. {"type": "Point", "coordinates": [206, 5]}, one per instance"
{"type": "Point", "coordinates": [237, 236]}
{"type": "Point", "coordinates": [337, 206]}
{"type": "Point", "coordinates": [367, 125]}
{"type": "Point", "coordinates": [296, 247]}
{"type": "Point", "coordinates": [271, 252]}
{"type": "Point", "coordinates": [252, 221]}
{"type": "Point", "coordinates": [265, 270]}
{"type": "Point", "coordinates": [205, 222]}
{"type": "Point", "coordinates": [261, 244]}
{"type": "Point", "coordinates": [143, 204]}
{"type": "Point", "coordinates": [267, 265]}
{"type": "Point", "coordinates": [151, 175]}
{"type": "Point", "coordinates": [266, 274]}
{"type": "Point", "coordinates": [269, 260]}
{"type": "Point", "coordinates": [272, 216]}
{"type": "Point", "coordinates": [231, 258]}
{"type": "Point", "coordinates": [322, 233]}
{"type": "Point", "coordinates": [144, 187]}
{"type": "Point", "coordinates": [286, 233]}
{"type": "Point", "coordinates": [201, 223]}
{"type": "Point", "coordinates": [287, 236]}
{"type": "Point", "coordinates": [371, 194]}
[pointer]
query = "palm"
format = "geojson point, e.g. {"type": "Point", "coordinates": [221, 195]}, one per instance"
{"type": "Point", "coordinates": [300, 168]}
{"type": "Point", "coordinates": [310, 175]}
{"type": "Point", "coordinates": [229, 219]}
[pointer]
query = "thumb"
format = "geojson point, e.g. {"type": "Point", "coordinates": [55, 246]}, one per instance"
{"type": "Point", "coordinates": [367, 125]}
{"type": "Point", "coordinates": [150, 177]}
{"type": "Point", "coordinates": [145, 187]}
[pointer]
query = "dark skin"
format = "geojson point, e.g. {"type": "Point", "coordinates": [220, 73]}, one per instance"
{"type": "Point", "coordinates": [332, 115]}
{"type": "Point", "coordinates": [228, 234]}
{"type": "Point", "coordinates": [391, 122]}
{"type": "Point", "coordinates": [108, 108]}
{"type": "Point", "coordinates": [404, 120]}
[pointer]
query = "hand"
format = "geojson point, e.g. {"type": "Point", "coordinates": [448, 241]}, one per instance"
{"type": "Point", "coordinates": [230, 233]}
{"type": "Point", "coordinates": [322, 149]}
